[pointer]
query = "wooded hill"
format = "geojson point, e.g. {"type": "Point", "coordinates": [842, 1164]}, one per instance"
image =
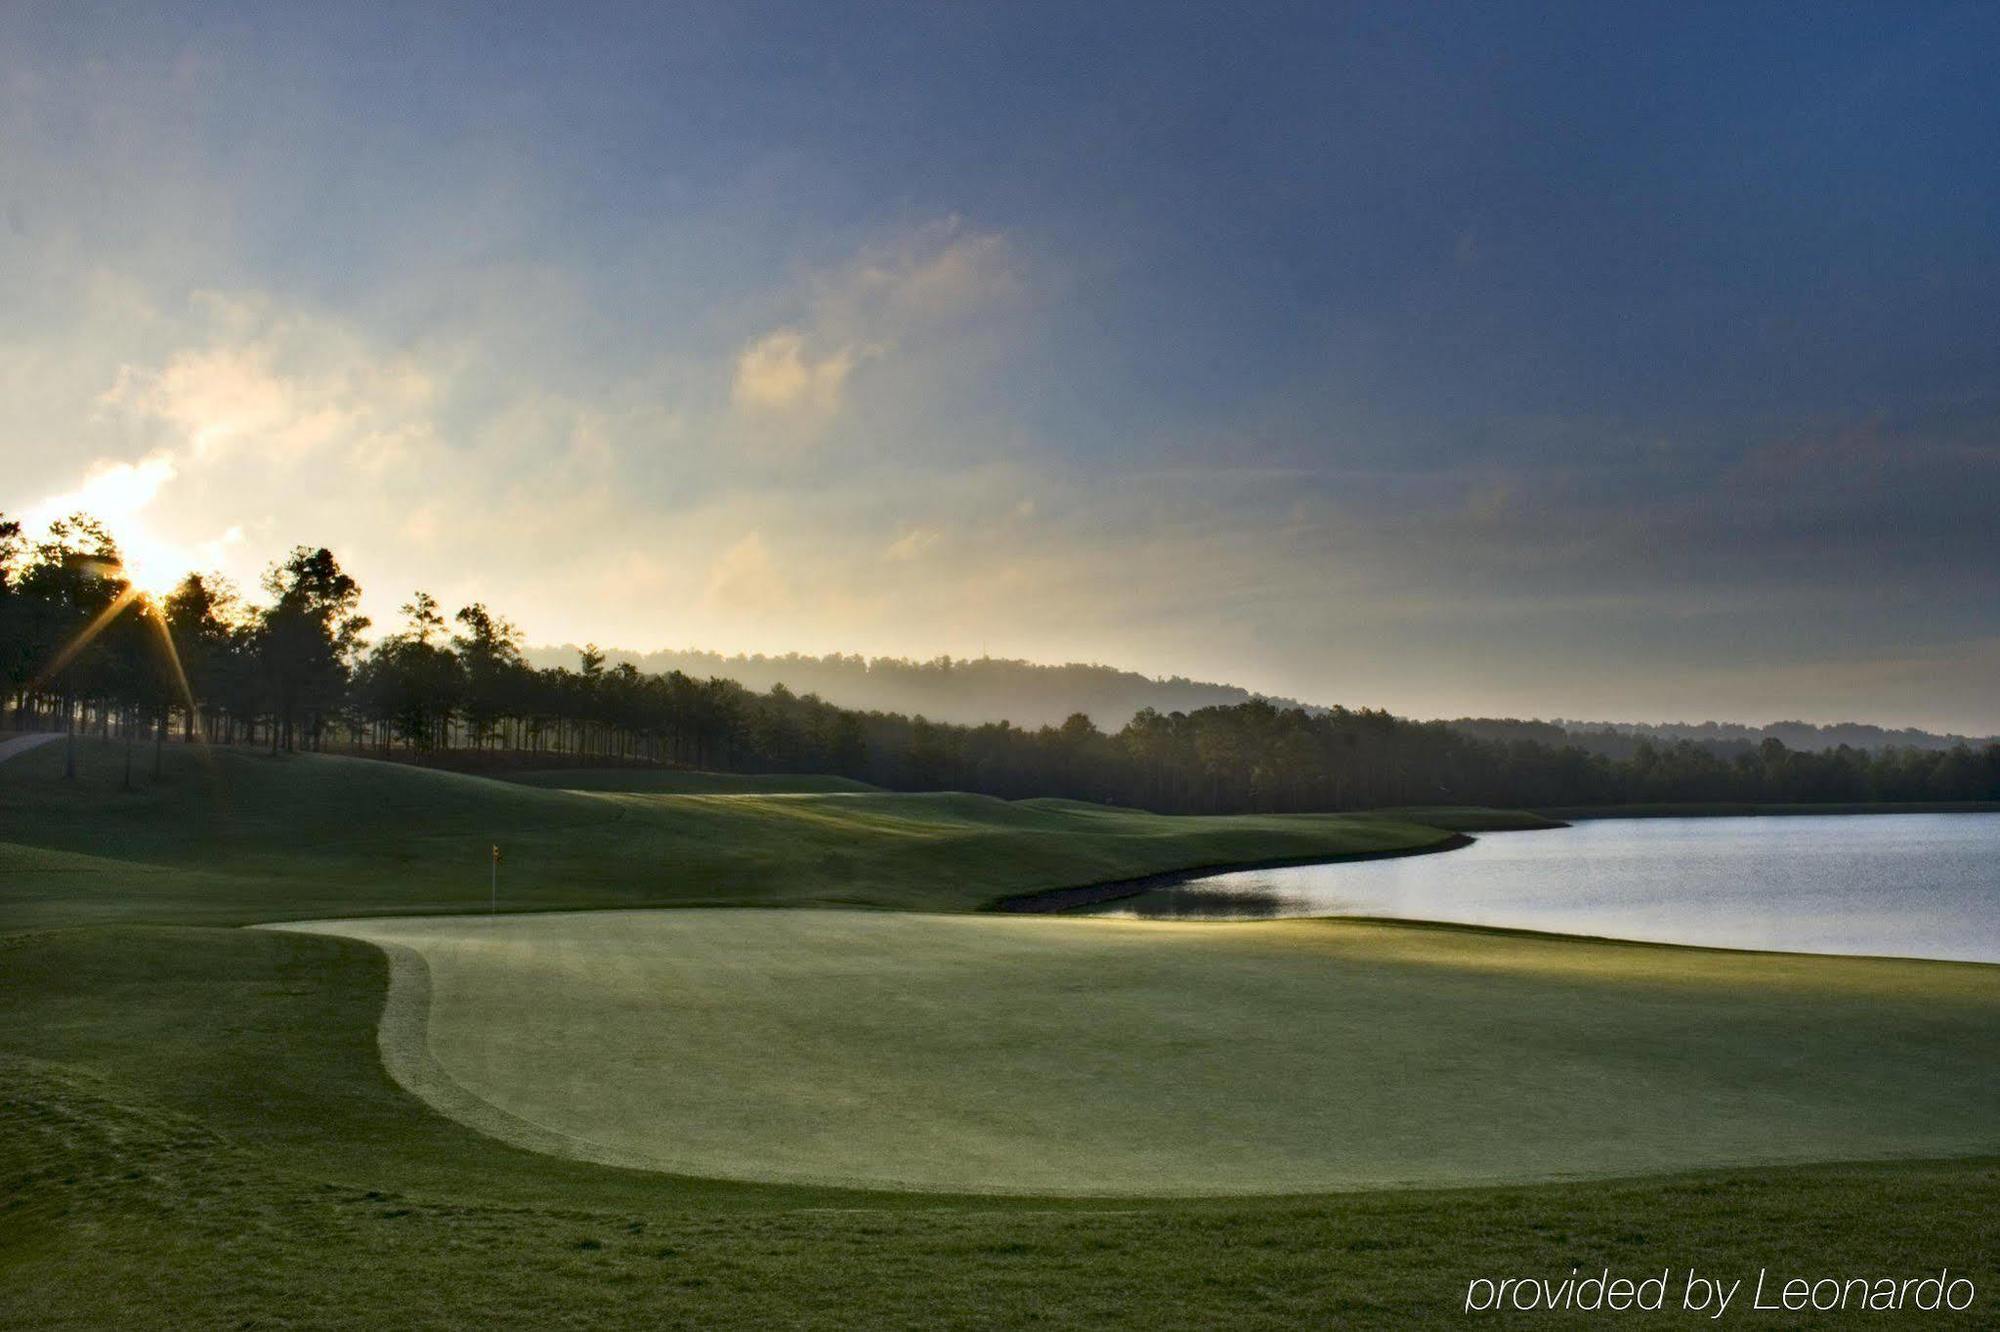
{"type": "Point", "coordinates": [964, 690]}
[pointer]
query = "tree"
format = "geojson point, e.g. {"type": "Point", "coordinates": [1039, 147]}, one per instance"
{"type": "Point", "coordinates": [198, 615]}
{"type": "Point", "coordinates": [14, 663]}
{"type": "Point", "coordinates": [489, 651]}
{"type": "Point", "coordinates": [71, 588]}
{"type": "Point", "coordinates": [410, 686]}
{"type": "Point", "coordinates": [310, 636]}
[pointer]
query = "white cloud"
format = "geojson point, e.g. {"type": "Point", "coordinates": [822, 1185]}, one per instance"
{"type": "Point", "coordinates": [278, 386]}
{"type": "Point", "coordinates": [744, 579]}
{"type": "Point", "coordinates": [118, 495]}
{"type": "Point", "coordinates": [932, 276]}
{"type": "Point", "coordinates": [112, 491]}
{"type": "Point", "coordinates": [776, 373]}
{"type": "Point", "coordinates": [212, 553]}
{"type": "Point", "coordinates": [886, 301]}
{"type": "Point", "coordinates": [233, 411]}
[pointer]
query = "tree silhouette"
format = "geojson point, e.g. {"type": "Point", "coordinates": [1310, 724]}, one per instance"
{"type": "Point", "coordinates": [80, 649]}
{"type": "Point", "coordinates": [310, 636]}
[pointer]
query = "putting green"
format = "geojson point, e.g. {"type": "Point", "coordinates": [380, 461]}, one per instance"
{"type": "Point", "coordinates": [1064, 1056]}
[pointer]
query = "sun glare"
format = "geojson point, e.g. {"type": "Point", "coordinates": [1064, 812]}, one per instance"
{"type": "Point", "coordinates": [148, 566]}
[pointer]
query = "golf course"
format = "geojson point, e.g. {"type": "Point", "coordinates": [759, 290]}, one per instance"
{"type": "Point", "coordinates": [751, 1051]}
{"type": "Point", "coordinates": [999, 667]}
{"type": "Point", "coordinates": [1059, 1056]}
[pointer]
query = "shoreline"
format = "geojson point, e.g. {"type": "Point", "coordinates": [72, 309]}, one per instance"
{"type": "Point", "coordinates": [1053, 901]}
{"type": "Point", "coordinates": [1716, 809]}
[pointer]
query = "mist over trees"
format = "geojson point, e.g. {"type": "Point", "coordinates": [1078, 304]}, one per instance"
{"type": "Point", "coordinates": [1726, 739]}
{"type": "Point", "coordinates": [81, 649]}
{"type": "Point", "coordinates": [1031, 694]}
{"type": "Point", "coordinates": [964, 690]}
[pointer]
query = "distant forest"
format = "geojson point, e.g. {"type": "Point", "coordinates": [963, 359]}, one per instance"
{"type": "Point", "coordinates": [964, 690]}
{"type": "Point", "coordinates": [1622, 739]}
{"type": "Point", "coordinates": [82, 649]}
{"type": "Point", "coordinates": [1030, 694]}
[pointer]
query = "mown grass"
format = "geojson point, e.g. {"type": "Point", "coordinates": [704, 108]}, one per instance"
{"type": "Point", "coordinates": [1065, 1055]}
{"type": "Point", "coordinates": [232, 837]}
{"type": "Point", "coordinates": [196, 1129]}
{"type": "Point", "coordinates": [674, 781]}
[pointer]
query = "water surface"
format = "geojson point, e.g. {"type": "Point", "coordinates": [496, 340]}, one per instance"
{"type": "Point", "coordinates": [1908, 885]}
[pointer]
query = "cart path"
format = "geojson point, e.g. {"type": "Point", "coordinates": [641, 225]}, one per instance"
{"type": "Point", "coordinates": [21, 744]}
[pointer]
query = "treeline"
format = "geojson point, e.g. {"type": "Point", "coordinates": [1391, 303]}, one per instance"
{"type": "Point", "coordinates": [81, 649]}
{"type": "Point", "coordinates": [968, 690]}
{"type": "Point", "coordinates": [1726, 740]}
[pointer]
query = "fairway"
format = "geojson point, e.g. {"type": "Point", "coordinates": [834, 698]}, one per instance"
{"type": "Point", "coordinates": [236, 837]}
{"type": "Point", "coordinates": [1061, 1056]}
{"type": "Point", "coordinates": [676, 781]}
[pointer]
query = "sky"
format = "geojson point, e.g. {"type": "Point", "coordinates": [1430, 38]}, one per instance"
{"type": "Point", "coordinates": [1610, 361]}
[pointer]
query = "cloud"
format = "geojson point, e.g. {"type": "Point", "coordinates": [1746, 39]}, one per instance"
{"type": "Point", "coordinates": [776, 374]}
{"type": "Point", "coordinates": [904, 297]}
{"type": "Point", "coordinates": [913, 543]}
{"type": "Point", "coordinates": [934, 275]}
{"type": "Point", "coordinates": [237, 424]}
{"type": "Point", "coordinates": [277, 385]}
{"type": "Point", "coordinates": [744, 579]}
{"type": "Point", "coordinates": [212, 553]}
{"type": "Point", "coordinates": [241, 407]}
{"type": "Point", "coordinates": [112, 491]}
{"type": "Point", "coordinates": [118, 494]}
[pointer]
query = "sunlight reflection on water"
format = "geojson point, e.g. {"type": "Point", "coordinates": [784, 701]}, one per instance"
{"type": "Point", "coordinates": [1910, 885]}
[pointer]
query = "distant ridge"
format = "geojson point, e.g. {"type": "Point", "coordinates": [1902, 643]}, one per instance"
{"type": "Point", "coordinates": [964, 690]}
{"type": "Point", "coordinates": [974, 690]}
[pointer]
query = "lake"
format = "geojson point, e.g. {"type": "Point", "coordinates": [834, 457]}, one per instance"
{"type": "Point", "coordinates": [1908, 885]}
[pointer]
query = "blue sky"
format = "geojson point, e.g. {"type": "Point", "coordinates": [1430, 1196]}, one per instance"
{"type": "Point", "coordinates": [1605, 360]}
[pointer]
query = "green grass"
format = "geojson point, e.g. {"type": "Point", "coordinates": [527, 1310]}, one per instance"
{"type": "Point", "coordinates": [196, 1128]}
{"type": "Point", "coordinates": [1057, 1055]}
{"type": "Point", "coordinates": [673, 781]}
{"type": "Point", "coordinates": [196, 1131]}
{"type": "Point", "coordinates": [232, 837]}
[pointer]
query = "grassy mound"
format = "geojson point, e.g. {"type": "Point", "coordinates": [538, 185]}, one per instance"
{"type": "Point", "coordinates": [231, 836]}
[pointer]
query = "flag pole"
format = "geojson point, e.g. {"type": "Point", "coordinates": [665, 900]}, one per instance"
{"type": "Point", "coordinates": [493, 906]}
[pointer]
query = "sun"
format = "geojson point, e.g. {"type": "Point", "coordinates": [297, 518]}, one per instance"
{"type": "Point", "coordinates": [148, 566]}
